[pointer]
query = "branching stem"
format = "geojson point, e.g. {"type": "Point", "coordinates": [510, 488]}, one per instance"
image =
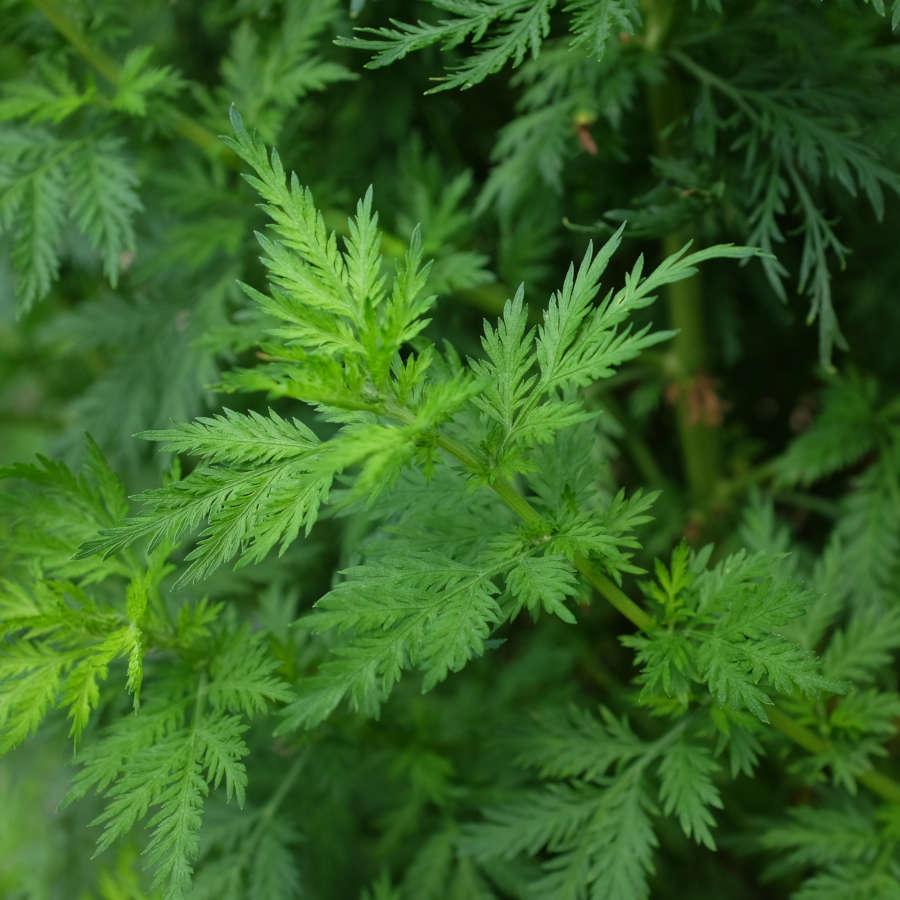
{"type": "Point", "coordinates": [876, 781]}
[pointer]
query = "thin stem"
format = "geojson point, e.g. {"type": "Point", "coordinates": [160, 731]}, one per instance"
{"type": "Point", "coordinates": [284, 786]}
{"type": "Point", "coordinates": [72, 32]}
{"type": "Point", "coordinates": [184, 125]}
{"type": "Point", "coordinates": [828, 509]}
{"type": "Point", "coordinates": [877, 782]}
{"type": "Point", "coordinates": [199, 700]}
{"type": "Point", "coordinates": [271, 807]}
{"type": "Point", "coordinates": [743, 481]}
{"type": "Point", "coordinates": [518, 504]}
{"type": "Point", "coordinates": [641, 454]}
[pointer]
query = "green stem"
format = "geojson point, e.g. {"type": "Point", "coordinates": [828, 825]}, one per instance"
{"type": "Point", "coordinates": [828, 509]}
{"type": "Point", "coordinates": [107, 67]}
{"type": "Point", "coordinates": [700, 444]}
{"type": "Point", "coordinates": [729, 490]}
{"type": "Point", "coordinates": [798, 733]}
{"type": "Point", "coordinates": [268, 811]}
{"type": "Point", "coordinates": [877, 782]}
{"type": "Point", "coordinates": [281, 792]}
{"type": "Point", "coordinates": [743, 481]}
{"type": "Point", "coordinates": [518, 504]}
{"type": "Point", "coordinates": [614, 595]}
{"type": "Point", "coordinates": [73, 33]}
{"type": "Point", "coordinates": [658, 15]}
{"type": "Point", "coordinates": [199, 700]}
{"type": "Point", "coordinates": [525, 511]}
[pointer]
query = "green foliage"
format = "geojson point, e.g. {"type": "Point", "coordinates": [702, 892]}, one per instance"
{"type": "Point", "coordinates": [79, 177]}
{"type": "Point", "coordinates": [735, 613]}
{"type": "Point", "coordinates": [597, 826]}
{"type": "Point", "coordinates": [45, 182]}
{"type": "Point", "coordinates": [844, 840]}
{"type": "Point", "coordinates": [69, 633]}
{"type": "Point", "coordinates": [847, 428]}
{"type": "Point", "coordinates": [503, 31]}
{"type": "Point", "coordinates": [519, 28]}
{"type": "Point", "coordinates": [267, 78]}
{"type": "Point", "coordinates": [188, 740]}
{"type": "Point", "coordinates": [370, 607]}
{"type": "Point", "coordinates": [803, 140]}
{"type": "Point", "coordinates": [66, 639]}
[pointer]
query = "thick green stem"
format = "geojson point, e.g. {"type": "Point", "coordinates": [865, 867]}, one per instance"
{"type": "Point", "coordinates": [700, 445]}
{"type": "Point", "coordinates": [798, 733]}
{"type": "Point", "coordinates": [699, 440]}
{"type": "Point", "coordinates": [614, 596]}
{"type": "Point", "coordinates": [875, 781]}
